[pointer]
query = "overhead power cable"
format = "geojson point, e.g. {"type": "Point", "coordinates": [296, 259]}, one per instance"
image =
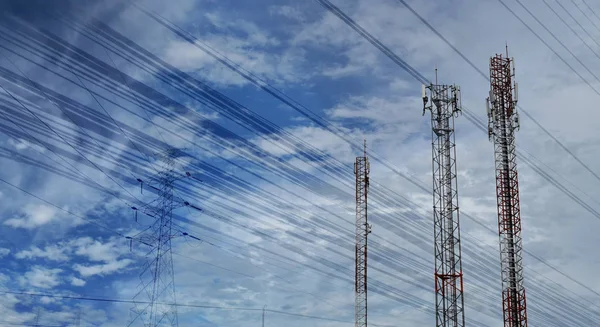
{"type": "Point", "coordinates": [554, 36]}
{"type": "Point", "coordinates": [63, 139]}
{"type": "Point", "coordinates": [384, 49]}
{"type": "Point", "coordinates": [486, 77]}
{"type": "Point", "coordinates": [29, 324]}
{"type": "Point", "coordinates": [590, 9]}
{"type": "Point", "coordinates": [195, 306]}
{"type": "Point", "coordinates": [585, 14]}
{"type": "Point", "coordinates": [558, 2]}
{"type": "Point", "coordinates": [572, 29]}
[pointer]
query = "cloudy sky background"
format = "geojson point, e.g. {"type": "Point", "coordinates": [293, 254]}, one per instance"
{"type": "Point", "coordinates": [277, 99]}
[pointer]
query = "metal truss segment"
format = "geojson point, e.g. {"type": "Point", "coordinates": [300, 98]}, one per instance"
{"type": "Point", "coordinates": [443, 101]}
{"type": "Point", "coordinates": [361, 170]}
{"type": "Point", "coordinates": [503, 122]}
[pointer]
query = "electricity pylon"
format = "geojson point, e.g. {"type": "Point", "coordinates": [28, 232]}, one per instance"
{"type": "Point", "coordinates": [155, 302]}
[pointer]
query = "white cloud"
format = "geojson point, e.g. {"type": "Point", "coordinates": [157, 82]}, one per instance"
{"type": "Point", "coordinates": [287, 11]}
{"type": "Point", "coordinates": [33, 216]}
{"type": "Point", "coordinates": [379, 110]}
{"type": "Point", "coordinates": [19, 144]}
{"type": "Point", "coordinates": [85, 247]}
{"type": "Point", "coordinates": [4, 252]}
{"type": "Point", "coordinates": [385, 100]}
{"type": "Point", "coordinates": [102, 269]}
{"type": "Point", "coordinates": [41, 277]}
{"type": "Point", "coordinates": [186, 56]}
{"type": "Point", "coordinates": [81, 250]}
{"type": "Point", "coordinates": [95, 250]}
{"type": "Point", "coordinates": [51, 252]}
{"type": "Point", "coordinates": [77, 281]}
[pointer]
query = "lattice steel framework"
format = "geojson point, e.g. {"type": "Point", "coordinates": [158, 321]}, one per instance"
{"type": "Point", "coordinates": [361, 170]}
{"type": "Point", "coordinates": [155, 302]}
{"type": "Point", "coordinates": [503, 121]}
{"type": "Point", "coordinates": [449, 300]}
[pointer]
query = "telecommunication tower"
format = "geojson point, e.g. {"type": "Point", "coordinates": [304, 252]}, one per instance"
{"type": "Point", "coordinates": [503, 121]}
{"type": "Point", "coordinates": [155, 302]}
{"type": "Point", "coordinates": [363, 229]}
{"type": "Point", "coordinates": [444, 104]}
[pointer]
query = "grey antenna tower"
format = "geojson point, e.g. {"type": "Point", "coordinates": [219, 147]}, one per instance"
{"type": "Point", "coordinates": [155, 301]}
{"type": "Point", "coordinates": [37, 317]}
{"type": "Point", "coordinates": [78, 318]}
{"type": "Point", "coordinates": [362, 169]}
{"type": "Point", "coordinates": [444, 104]}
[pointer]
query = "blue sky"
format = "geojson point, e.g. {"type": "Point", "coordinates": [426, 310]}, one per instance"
{"type": "Point", "coordinates": [91, 91]}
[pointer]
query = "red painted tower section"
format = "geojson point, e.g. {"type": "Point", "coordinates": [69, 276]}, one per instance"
{"type": "Point", "coordinates": [503, 122]}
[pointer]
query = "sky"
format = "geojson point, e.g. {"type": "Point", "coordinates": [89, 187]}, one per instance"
{"type": "Point", "coordinates": [268, 103]}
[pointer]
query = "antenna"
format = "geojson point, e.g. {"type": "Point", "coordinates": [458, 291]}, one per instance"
{"type": "Point", "coordinates": [448, 276]}
{"type": "Point", "coordinates": [512, 60]}
{"type": "Point", "coordinates": [502, 125]}
{"type": "Point", "coordinates": [361, 170]}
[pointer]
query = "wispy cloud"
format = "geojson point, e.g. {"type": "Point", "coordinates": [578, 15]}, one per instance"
{"type": "Point", "coordinates": [41, 277]}
{"type": "Point", "coordinates": [102, 269]}
{"type": "Point", "coordinates": [284, 237]}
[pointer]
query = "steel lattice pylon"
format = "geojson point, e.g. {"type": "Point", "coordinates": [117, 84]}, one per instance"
{"type": "Point", "coordinates": [155, 302]}
{"type": "Point", "coordinates": [449, 300]}
{"type": "Point", "coordinates": [503, 121]}
{"type": "Point", "coordinates": [361, 170]}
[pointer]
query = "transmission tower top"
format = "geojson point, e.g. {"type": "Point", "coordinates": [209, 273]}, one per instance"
{"type": "Point", "coordinates": [503, 121]}
{"type": "Point", "coordinates": [157, 276]}
{"type": "Point", "coordinates": [444, 105]}
{"type": "Point", "coordinates": [504, 94]}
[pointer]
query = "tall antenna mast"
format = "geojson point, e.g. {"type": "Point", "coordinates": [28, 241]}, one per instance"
{"type": "Point", "coordinates": [503, 121]}
{"type": "Point", "coordinates": [449, 300]}
{"type": "Point", "coordinates": [361, 170]}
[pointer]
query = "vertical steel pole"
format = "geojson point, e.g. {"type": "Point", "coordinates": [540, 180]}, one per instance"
{"type": "Point", "coordinates": [361, 170]}
{"type": "Point", "coordinates": [449, 301]}
{"type": "Point", "coordinates": [503, 121]}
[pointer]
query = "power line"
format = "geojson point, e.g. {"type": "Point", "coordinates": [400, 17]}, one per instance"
{"type": "Point", "coordinates": [486, 77]}
{"type": "Point", "coordinates": [577, 22]}
{"type": "Point", "coordinates": [196, 306]}
{"type": "Point", "coordinates": [11, 323]}
{"type": "Point", "coordinates": [590, 9]}
{"type": "Point", "coordinates": [63, 139]}
{"type": "Point", "coordinates": [584, 14]}
{"type": "Point", "coordinates": [473, 119]}
{"type": "Point", "coordinates": [61, 208]}
{"type": "Point", "coordinates": [572, 29]}
{"type": "Point", "coordinates": [554, 36]}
